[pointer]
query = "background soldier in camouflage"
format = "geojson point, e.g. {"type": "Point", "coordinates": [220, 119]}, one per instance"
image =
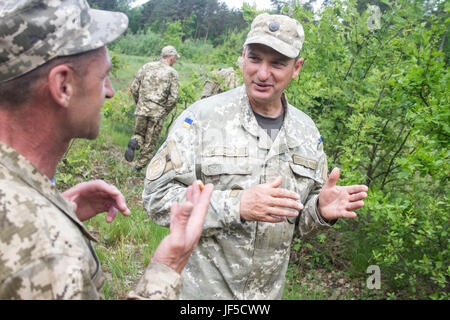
{"type": "Point", "coordinates": [220, 81]}
{"type": "Point", "coordinates": [53, 81]}
{"type": "Point", "coordinates": [266, 160]}
{"type": "Point", "coordinates": [155, 91]}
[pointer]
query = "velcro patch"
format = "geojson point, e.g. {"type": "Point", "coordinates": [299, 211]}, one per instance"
{"type": "Point", "coordinates": [309, 163]}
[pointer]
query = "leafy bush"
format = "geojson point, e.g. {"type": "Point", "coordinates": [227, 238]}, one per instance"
{"type": "Point", "coordinates": [380, 99]}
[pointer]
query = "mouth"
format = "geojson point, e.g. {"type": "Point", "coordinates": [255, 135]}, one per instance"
{"type": "Point", "coordinates": [262, 86]}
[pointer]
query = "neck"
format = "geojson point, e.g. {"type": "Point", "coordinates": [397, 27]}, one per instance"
{"type": "Point", "coordinates": [31, 136]}
{"type": "Point", "coordinates": [267, 109]}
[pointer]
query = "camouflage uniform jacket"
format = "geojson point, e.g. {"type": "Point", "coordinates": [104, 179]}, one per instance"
{"type": "Point", "coordinates": [220, 80]}
{"type": "Point", "coordinates": [45, 251]}
{"type": "Point", "coordinates": [155, 89]}
{"type": "Point", "coordinates": [219, 141]}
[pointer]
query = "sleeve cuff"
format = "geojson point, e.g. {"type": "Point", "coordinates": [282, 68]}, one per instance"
{"type": "Point", "coordinates": [158, 283]}
{"type": "Point", "coordinates": [322, 220]}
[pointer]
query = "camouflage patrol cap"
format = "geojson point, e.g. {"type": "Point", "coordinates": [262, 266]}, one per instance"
{"type": "Point", "coordinates": [279, 32]}
{"type": "Point", "coordinates": [32, 32]}
{"type": "Point", "coordinates": [169, 51]}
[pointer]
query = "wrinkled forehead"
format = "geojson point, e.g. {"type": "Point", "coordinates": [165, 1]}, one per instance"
{"type": "Point", "coordinates": [261, 49]}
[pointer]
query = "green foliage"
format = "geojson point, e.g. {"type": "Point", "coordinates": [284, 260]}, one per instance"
{"type": "Point", "coordinates": [380, 99]}
{"type": "Point", "coordinates": [173, 35]}
{"type": "Point", "coordinates": [143, 43]}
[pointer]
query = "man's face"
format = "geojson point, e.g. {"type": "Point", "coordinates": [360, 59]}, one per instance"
{"type": "Point", "coordinates": [267, 73]}
{"type": "Point", "coordinates": [91, 91]}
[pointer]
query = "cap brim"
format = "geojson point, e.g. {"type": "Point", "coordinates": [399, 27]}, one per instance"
{"type": "Point", "coordinates": [104, 28]}
{"type": "Point", "coordinates": [276, 44]}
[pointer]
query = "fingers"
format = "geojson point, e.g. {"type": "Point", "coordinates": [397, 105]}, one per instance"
{"type": "Point", "coordinates": [283, 193]}
{"type": "Point", "coordinates": [275, 183]}
{"type": "Point", "coordinates": [178, 222]}
{"type": "Point", "coordinates": [355, 205]}
{"type": "Point", "coordinates": [348, 215]}
{"type": "Point", "coordinates": [357, 196]}
{"type": "Point", "coordinates": [112, 213]}
{"type": "Point", "coordinates": [333, 178]}
{"type": "Point", "coordinates": [356, 189]}
{"type": "Point", "coordinates": [189, 194]}
{"type": "Point", "coordinates": [201, 208]}
{"type": "Point", "coordinates": [282, 212]}
{"type": "Point", "coordinates": [286, 203]}
{"type": "Point", "coordinates": [196, 191]}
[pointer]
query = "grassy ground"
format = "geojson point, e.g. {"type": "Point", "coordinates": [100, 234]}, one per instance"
{"type": "Point", "coordinates": [125, 247]}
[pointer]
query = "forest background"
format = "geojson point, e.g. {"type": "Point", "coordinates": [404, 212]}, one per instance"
{"type": "Point", "coordinates": [375, 81]}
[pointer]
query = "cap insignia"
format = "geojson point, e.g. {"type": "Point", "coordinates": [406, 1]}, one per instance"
{"type": "Point", "coordinates": [274, 26]}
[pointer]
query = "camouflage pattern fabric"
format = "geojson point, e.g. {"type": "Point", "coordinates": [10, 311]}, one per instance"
{"type": "Point", "coordinates": [155, 91]}
{"type": "Point", "coordinates": [33, 32]}
{"type": "Point", "coordinates": [219, 141]}
{"type": "Point", "coordinates": [146, 133]}
{"type": "Point", "coordinates": [278, 32]}
{"type": "Point", "coordinates": [220, 81]}
{"type": "Point", "coordinates": [45, 251]}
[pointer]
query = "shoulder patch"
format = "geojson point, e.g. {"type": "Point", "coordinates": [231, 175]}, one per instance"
{"type": "Point", "coordinates": [156, 167]}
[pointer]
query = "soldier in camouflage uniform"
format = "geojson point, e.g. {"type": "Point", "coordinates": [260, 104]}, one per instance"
{"type": "Point", "coordinates": [266, 160]}
{"type": "Point", "coordinates": [53, 80]}
{"type": "Point", "coordinates": [155, 91]}
{"type": "Point", "coordinates": [220, 81]}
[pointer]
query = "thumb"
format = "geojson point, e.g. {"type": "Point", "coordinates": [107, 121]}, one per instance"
{"type": "Point", "coordinates": [179, 216]}
{"type": "Point", "coordinates": [74, 206]}
{"type": "Point", "coordinates": [333, 178]}
{"type": "Point", "coordinates": [275, 183]}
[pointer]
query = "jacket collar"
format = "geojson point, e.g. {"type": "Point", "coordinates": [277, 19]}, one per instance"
{"type": "Point", "coordinates": [34, 178]}
{"type": "Point", "coordinates": [286, 137]}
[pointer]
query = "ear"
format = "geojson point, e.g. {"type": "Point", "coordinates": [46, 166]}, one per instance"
{"type": "Point", "coordinates": [297, 66]}
{"type": "Point", "coordinates": [61, 83]}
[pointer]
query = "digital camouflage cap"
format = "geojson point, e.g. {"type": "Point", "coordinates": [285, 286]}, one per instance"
{"type": "Point", "coordinates": [168, 51]}
{"type": "Point", "coordinates": [279, 32]}
{"type": "Point", "coordinates": [33, 32]}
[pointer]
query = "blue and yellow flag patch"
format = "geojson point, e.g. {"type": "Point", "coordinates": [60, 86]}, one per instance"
{"type": "Point", "coordinates": [187, 123]}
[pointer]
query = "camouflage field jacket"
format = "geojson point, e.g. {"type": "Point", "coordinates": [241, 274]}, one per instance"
{"type": "Point", "coordinates": [45, 251]}
{"type": "Point", "coordinates": [219, 141]}
{"type": "Point", "coordinates": [155, 89]}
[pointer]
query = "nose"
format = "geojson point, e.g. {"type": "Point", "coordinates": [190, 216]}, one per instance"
{"type": "Point", "coordinates": [264, 72]}
{"type": "Point", "coordinates": [109, 89]}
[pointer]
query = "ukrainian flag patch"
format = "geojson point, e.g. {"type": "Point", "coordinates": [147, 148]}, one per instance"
{"type": "Point", "coordinates": [187, 123]}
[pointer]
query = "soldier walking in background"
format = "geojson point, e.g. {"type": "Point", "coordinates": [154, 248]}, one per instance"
{"type": "Point", "coordinates": [155, 91]}
{"type": "Point", "coordinates": [220, 81]}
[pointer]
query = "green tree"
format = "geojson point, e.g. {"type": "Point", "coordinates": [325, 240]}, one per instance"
{"type": "Point", "coordinates": [379, 95]}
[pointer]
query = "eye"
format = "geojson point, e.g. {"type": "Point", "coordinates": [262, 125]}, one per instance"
{"type": "Point", "coordinates": [254, 58]}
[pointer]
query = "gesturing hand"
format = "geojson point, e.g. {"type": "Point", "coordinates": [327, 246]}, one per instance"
{"type": "Point", "coordinates": [340, 202]}
{"type": "Point", "coordinates": [94, 197]}
{"type": "Point", "coordinates": [267, 202]}
{"type": "Point", "coordinates": [186, 223]}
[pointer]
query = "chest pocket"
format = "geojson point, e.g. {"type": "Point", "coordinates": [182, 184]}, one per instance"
{"type": "Point", "coordinates": [304, 173]}
{"type": "Point", "coordinates": [225, 166]}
